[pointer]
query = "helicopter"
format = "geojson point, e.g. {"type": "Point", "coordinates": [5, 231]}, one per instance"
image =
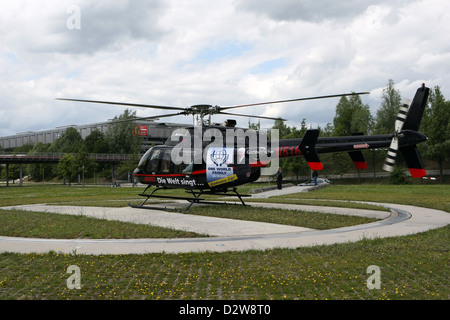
{"type": "Point", "coordinates": [197, 159]}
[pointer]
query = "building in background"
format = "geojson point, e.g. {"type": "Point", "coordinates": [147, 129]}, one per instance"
{"type": "Point", "coordinates": [153, 133]}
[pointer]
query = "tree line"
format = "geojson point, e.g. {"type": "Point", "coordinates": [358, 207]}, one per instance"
{"type": "Point", "coordinates": [117, 139]}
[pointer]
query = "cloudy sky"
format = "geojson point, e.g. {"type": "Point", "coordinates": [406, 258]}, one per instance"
{"type": "Point", "coordinates": [228, 52]}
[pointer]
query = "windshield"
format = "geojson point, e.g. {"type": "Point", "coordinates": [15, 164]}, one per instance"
{"type": "Point", "coordinates": [143, 162]}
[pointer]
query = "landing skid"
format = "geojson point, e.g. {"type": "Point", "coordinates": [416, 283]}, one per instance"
{"type": "Point", "coordinates": [195, 199]}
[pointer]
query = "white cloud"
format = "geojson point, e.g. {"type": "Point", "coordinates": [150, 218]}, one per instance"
{"type": "Point", "coordinates": [182, 53]}
{"type": "Point", "coordinates": [316, 11]}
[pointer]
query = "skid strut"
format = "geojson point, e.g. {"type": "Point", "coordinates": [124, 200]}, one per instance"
{"type": "Point", "coordinates": [195, 199]}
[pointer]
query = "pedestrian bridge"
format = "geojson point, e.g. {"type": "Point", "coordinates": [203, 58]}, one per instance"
{"type": "Point", "coordinates": [51, 157]}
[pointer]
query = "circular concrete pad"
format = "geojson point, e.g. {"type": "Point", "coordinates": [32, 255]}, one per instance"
{"type": "Point", "coordinates": [226, 234]}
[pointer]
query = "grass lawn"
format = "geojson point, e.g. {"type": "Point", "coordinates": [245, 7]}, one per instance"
{"type": "Point", "coordinates": [17, 223]}
{"type": "Point", "coordinates": [411, 267]}
{"type": "Point", "coordinates": [313, 220]}
{"type": "Point", "coordinates": [430, 196]}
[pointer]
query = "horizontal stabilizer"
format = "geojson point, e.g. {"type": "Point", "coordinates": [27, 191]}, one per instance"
{"type": "Point", "coordinates": [413, 161]}
{"type": "Point", "coordinates": [308, 150]}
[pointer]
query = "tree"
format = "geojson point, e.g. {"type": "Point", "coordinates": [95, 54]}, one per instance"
{"type": "Point", "coordinates": [385, 120]}
{"type": "Point", "coordinates": [96, 142]}
{"type": "Point", "coordinates": [38, 171]}
{"type": "Point", "coordinates": [436, 126]}
{"type": "Point", "coordinates": [83, 164]}
{"type": "Point", "coordinates": [398, 175]}
{"type": "Point", "coordinates": [297, 165]}
{"type": "Point", "coordinates": [69, 142]}
{"type": "Point", "coordinates": [14, 169]}
{"type": "Point", "coordinates": [67, 167]}
{"type": "Point", "coordinates": [254, 126]}
{"type": "Point", "coordinates": [283, 129]}
{"type": "Point", "coordinates": [120, 137]}
{"type": "Point", "coordinates": [352, 116]}
{"type": "Point", "coordinates": [327, 131]}
{"type": "Point", "coordinates": [13, 172]}
{"type": "Point", "coordinates": [387, 113]}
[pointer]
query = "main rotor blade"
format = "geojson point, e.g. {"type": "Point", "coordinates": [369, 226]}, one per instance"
{"type": "Point", "coordinates": [150, 118]}
{"type": "Point", "coordinates": [125, 104]}
{"type": "Point", "coordinates": [292, 100]}
{"type": "Point", "coordinates": [251, 116]}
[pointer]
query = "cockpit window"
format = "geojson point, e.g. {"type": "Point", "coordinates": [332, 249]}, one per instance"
{"type": "Point", "coordinates": [166, 162]}
{"type": "Point", "coordinates": [159, 160]}
{"type": "Point", "coordinates": [153, 164]}
{"type": "Point", "coordinates": [143, 161]}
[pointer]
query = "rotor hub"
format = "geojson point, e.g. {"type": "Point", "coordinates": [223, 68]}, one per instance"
{"type": "Point", "coordinates": [201, 108]}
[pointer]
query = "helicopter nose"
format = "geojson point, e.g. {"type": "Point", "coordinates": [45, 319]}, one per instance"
{"type": "Point", "coordinates": [137, 173]}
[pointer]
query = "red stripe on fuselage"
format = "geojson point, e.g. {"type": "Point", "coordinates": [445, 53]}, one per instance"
{"type": "Point", "coordinates": [196, 172]}
{"type": "Point", "coordinates": [159, 175]}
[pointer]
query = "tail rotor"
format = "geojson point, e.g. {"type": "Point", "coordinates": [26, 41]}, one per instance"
{"type": "Point", "coordinates": [393, 148]}
{"type": "Point", "coordinates": [406, 131]}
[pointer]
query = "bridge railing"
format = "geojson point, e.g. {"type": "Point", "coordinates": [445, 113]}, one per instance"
{"type": "Point", "coordinates": [6, 157]}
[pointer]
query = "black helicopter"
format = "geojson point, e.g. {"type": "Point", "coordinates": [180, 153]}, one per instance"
{"type": "Point", "coordinates": [209, 166]}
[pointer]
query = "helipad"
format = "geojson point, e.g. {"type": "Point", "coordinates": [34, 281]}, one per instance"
{"type": "Point", "coordinates": [226, 234]}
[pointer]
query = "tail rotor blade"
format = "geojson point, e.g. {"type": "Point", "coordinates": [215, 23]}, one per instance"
{"type": "Point", "coordinates": [407, 102]}
{"type": "Point", "coordinates": [401, 117]}
{"type": "Point", "coordinates": [393, 148]}
{"type": "Point", "coordinates": [391, 156]}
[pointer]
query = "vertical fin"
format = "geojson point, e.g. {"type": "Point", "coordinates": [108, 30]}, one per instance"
{"type": "Point", "coordinates": [415, 113]}
{"type": "Point", "coordinates": [413, 161]}
{"type": "Point", "coordinates": [308, 150]}
{"type": "Point", "coordinates": [358, 159]}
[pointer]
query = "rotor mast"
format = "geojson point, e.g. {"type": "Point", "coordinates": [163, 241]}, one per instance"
{"type": "Point", "coordinates": [201, 110]}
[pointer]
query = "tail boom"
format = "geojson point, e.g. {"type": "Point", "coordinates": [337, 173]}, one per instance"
{"type": "Point", "coordinates": [405, 139]}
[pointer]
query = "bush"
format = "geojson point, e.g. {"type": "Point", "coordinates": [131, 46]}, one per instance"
{"type": "Point", "coordinates": [398, 176]}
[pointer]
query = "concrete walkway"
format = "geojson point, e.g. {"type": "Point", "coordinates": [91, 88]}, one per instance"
{"type": "Point", "coordinates": [227, 234]}
{"type": "Point", "coordinates": [214, 227]}
{"type": "Point", "coordinates": [284, 191]}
